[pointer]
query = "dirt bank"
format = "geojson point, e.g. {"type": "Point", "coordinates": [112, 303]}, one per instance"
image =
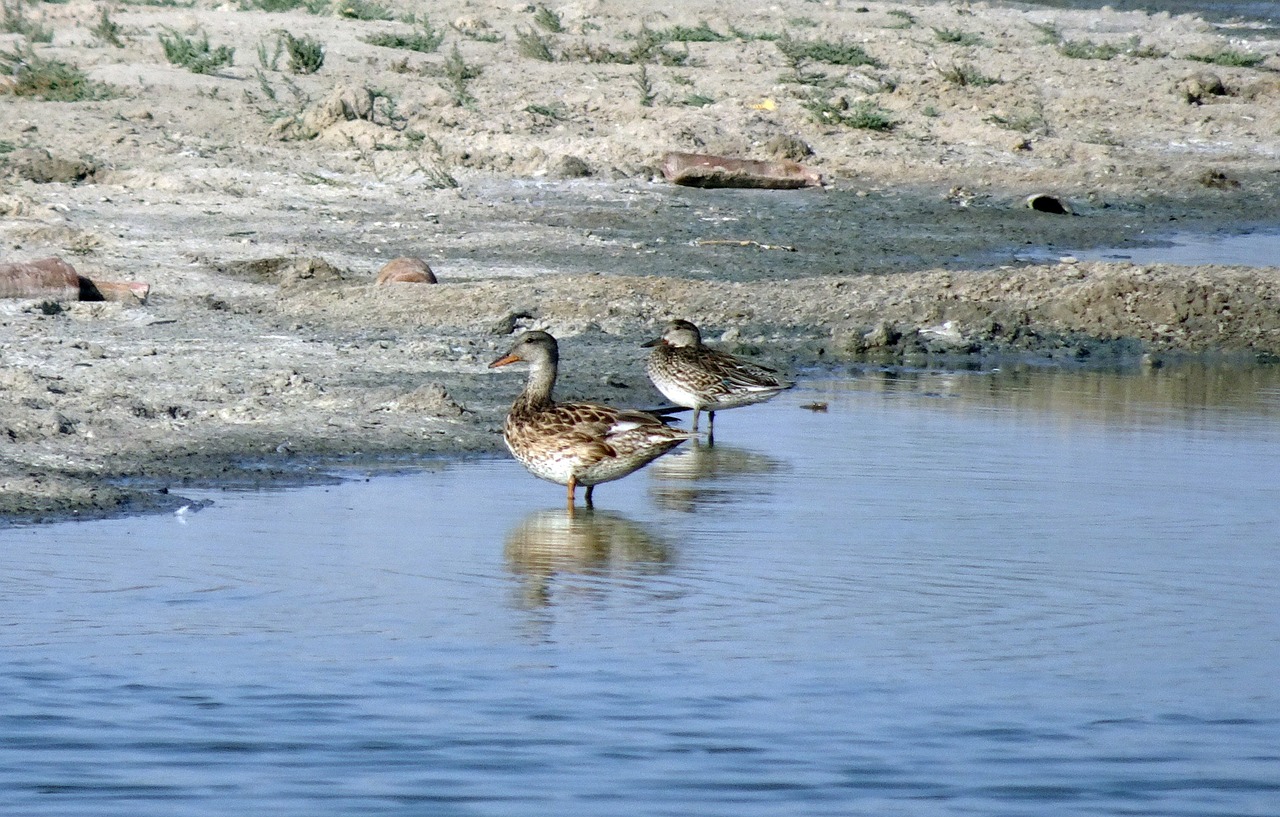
{"type": "Point", "coordinates": [532, 191]}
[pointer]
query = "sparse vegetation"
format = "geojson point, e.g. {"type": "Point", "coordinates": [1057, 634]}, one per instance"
{"type": "Point", "coordinates": [905, 18]}
{"type": "Point", "coordinates": [426, 39]}
{"type": "Point", "coordinates": [197, 56]}
{"type": "Point", "coordinates": [458, 75]}
{"type": "Point", "coordinates": [51, 80]}
{"type": "Point", "coordinates": [645, 86]}
{"type": "Point", "coordinates": [107, 30]}
{"type": "Point", "coordinates": [437, 171]}
{"type": "Point", "coordinates": [1050, 34]}
{"type": "Point", "coordinates": [283, 5]}
{"type": "Point", "coordinates": [798, 52]}
{"type": "Point", "coordinates": [701, 33]}
{"type": "Point", "coordinates": [363, 10]}
{"type": "Point", "coordinates": [1022, 121]}
{"type": "Point", "coordinates": [964, 75]}
{"type": "Point", "coordinates": [533, 45]}
{"type": "Point", "coordinates": [552, 112]}
{"type": "Point", "coordinates": [697, 100]}
{"type": "Point", "coordinates": [548, 20]}
{"type": "Point", "coordinates": [306, 54]}
{"type": "Point", "coordinates": [862, 115]}
{"type": "Point", "coordinates": [13, 20]}
{"type": "Point", "coordinates": [1088, 50]}
{"type": "Point", "coordinates": [955, 36]}
{"type": "Point", "coordinates": [1229, 58]}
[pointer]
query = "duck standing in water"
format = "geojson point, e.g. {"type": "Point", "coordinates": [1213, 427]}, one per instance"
{"type": "Point", "coordinates": [695, 376]}
{"type": "Point", "coordinates": [575, 444]}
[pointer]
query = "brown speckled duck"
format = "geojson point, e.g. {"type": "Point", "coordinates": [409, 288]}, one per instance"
{"type": "Point", "coordinates": [575, 444]}
{"type": "Point", "coordinates": [698, 377]}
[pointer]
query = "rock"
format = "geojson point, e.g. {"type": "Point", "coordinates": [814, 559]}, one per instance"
{"type": "Point", "coordinates": [405, 271]}
{"type": "Point", "coordinates": [788, 148]}
{"type": "Point", "coordinates": [285, 271]}
{"type": "Point", "coordinates": [430, 398]}
{"type": "Point", "coordinates": [55, 280]}
{"type": "Point", "coordinates": [1197, 87]}
{"type": "Point", "coordinates": [569, 167]}
{"type": "Point", "coordinates": [40, 166]}
{"type": "Point", "coordinates": [704, 170]}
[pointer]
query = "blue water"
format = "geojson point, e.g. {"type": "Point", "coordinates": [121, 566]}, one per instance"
{"type": "Point", "coordinates": [999, 593]}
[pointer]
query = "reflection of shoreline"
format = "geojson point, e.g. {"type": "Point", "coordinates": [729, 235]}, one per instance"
{"type": "Point", "coordinates": [549, 543]}
{"type": "Point", "coordinates": [1124, 395]}
{"type": "Point", "coordinates": [702, 474]}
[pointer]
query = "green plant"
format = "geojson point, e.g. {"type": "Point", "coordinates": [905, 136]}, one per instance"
{"type": "Point", "coordinates": [458, 74]}
{"type": "Point", "coordinates": [1022, 121]}
{"type": "Point", "coordinates": [272, 5]}
{"type": "Point", "coordinates": [437, 173]}
{"type": "Point", "coordinates": [862, 115]}
{"type": "Point", "coordinates": [797, 52]}
{"type": "Point", "coordinates": [906, 18]}
{"type": "Point", "coordinates": [964, 75]}
{"type": "Point", "coordinates": [425, 40]}
{"type": "Point", "coordinates": [956, 37]}
{"type": "Point", "coordinates": [534, 46]}
{"type": "Point", "coordinates": [747, 36]}
{"type": "Point", "coordinates": [1050, 34]}
{"type": "Point", "coordinates": [1229, 58]}
{"type": "Point", "coordinates": [1088, 50]}
{"type": "Point", "coordinates": [363, 10]}
{"type": "Point", "coordinates": [48, 79]}
{"type": "Point", "coordinates": [13, 20]}
{"type": "Point", "coordinates": [197, 56]}
{"type": "Point", "coordinates": [306, 54]}
{"type": "Point", "coordinates": [107, 30]}
{"type": "Point", "coordinates": [701, 33]}
{"type": "Point", "coordinates": [697, 100]}
{"type": "Point", "coordinates": [548, 20]}
{"type": "Point", "coordinates": [645, 85]}
{"type": "Point", "coordinates": [270, 59]}
{"type": "Point", "coordinates": [552, 112]}
{"type": "Point", "coordinates": [7, 147]}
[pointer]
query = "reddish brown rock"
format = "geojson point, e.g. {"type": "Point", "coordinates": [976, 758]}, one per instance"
{"type": "Point", "coordinates": [703, 170]}
{"type": "Point", "coordinates": [56, 280]}
{"type": "Point", "coordinates": [405, 271]}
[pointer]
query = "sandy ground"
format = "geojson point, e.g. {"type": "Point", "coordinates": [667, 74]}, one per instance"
{"type": "Point", "coordinates": [259, 203]}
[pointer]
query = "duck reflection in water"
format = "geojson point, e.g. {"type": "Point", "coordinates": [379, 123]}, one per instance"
{"type": "Point", "coordinates": [706, 474]}
{"type": "Point", "coordinates": [570, 553]}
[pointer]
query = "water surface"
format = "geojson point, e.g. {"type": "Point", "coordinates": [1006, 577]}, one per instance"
{"type": "Point", "coordinates": [988, 593]}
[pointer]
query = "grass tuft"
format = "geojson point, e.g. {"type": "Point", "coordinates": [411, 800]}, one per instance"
{"type": "Point", "coordinates": [1230, 59]}
{"type": "Point", "coordinates": [548, 20]}
{"type": "Point", "coordinates": [425, 40]}
{"type": "Point", "coordinates": [50, 80]}
{"type": "Point", "coordinates": [306, 54]}
{"type": "Point", "coordinates": [197, 56]}
{"type": "Point", "coordinates": [534, 46]}
{"type": "Point", "coordinates": [863, 115]}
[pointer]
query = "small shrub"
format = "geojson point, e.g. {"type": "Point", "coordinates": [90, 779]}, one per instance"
{"type": "Point", "coordinates": [272, 5]}
{"type": "Point", "coordinates": [197, 56]}
{"type": "Point", "coordinates": [645, 86]}
{"type": "Point", "coordinates": [51, 80]}
{"type": "Point", "coordinates": [458, 75]}
{"type": "Point", "coordinates": [13, 20]}
{"type": "Point", "coordinates": [798, 52]}
{"type": "Point", "coordinates": [425, 40]}
{"type": "Point", "coordinates": [534, 46]}
{"type": "Point", "coordinates": [1050, 34]}
{"type": "Point", "coordinates": [552, 112]}
{"type": "Point", "coordinates": [548, 20]}
{"type": "Point", "coordinates": [363, 10]}
{"type": "Point", "coordinates": [966, 76]}
{"type": "Point", "coordinates": [1088, 50]}
{"type": "Point", "coordinates": [701, 33]}
{"type": "Point", "coordinates": [1230, 59]}
{"type": "Point", "coordinates": [107, 30]}
{"type": "Point", "coordinates": [905, 18]}
{"type": "Point", "coordinates": [863, 115]}
{"type": "Point", "coordinates": [306, 54]}
{"type": "Point", "coordinates": [697, 100]}
{"type": "Point", "coordinates": [956, 37]}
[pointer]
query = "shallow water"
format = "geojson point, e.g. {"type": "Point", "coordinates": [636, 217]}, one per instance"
{"type": "Point", "coordinates": [997, 593]}
{"type": "Point", "coordinates": [1259, 248]}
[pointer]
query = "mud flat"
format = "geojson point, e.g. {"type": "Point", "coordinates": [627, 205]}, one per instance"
{"type": "Point", "coordinates": [259, 203]}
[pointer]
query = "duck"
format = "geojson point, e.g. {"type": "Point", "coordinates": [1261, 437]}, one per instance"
{"type": "Point", "coordinates": [695, 376]}
{"type": "Point", "coordinates": [576, 443]}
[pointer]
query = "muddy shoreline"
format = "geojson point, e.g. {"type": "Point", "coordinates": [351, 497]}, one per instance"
{"type": "Point", "coordinates": [259, 204]}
